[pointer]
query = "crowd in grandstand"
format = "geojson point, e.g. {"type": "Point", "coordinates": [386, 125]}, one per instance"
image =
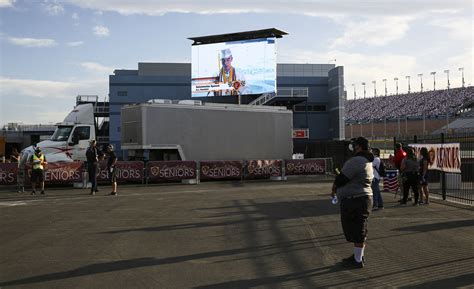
{"type": "Point", "coordinates": [417, 104]}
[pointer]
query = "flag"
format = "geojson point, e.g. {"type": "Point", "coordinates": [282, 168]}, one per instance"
{"type": "Point", "coordinates": [390, 181]}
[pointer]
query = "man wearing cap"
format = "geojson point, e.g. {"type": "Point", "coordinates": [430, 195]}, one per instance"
{"type": "Point", "coordinates": [228, 73]}
{"type": "Point", "coordinates": [92, 155]}
{"type": "Point", "coordinates": [353, 188]}
{"type": "Point", "coordinates": [38, 162]}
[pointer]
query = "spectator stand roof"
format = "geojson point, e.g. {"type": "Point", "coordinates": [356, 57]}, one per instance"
{"type": "Point", "coordinates": [246, 35]}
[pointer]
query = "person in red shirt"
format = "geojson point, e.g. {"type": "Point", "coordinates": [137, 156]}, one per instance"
{"type": "Point", "coordinates": [400, 154]}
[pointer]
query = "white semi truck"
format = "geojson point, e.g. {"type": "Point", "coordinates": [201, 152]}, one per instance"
{"type": "Point", "coordinates": [70, 139]}
{"type": "Point", "coordinates": [191, 130]}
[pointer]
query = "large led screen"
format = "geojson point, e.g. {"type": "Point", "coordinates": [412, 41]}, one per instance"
{"type": "Point", "coordinates": [233, 68]}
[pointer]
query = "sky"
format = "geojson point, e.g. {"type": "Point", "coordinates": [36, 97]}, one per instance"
{"type": "Point", "coordinates": [53, 50]}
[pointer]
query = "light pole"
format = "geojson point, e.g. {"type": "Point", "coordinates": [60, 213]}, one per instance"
{"type": "Point", "coordinates": [363, 83]}
{"type": "Point", "coordinates": [462, 71]}
{"type": "Point", "coordinates": [447, 74]}
{"type": "Point", "coordinates": [421, 81]}
{"type": "Point", "coordinates": [396, 82]}
{"type": "Point", "coordinates": [385, 81]}
{"type": "Point", "coordinates": [409, 87]}
{"type": "Point", "coordinates": [355, 95]}
{"type": "Point", "coordinates": [375, 87]}
{"type": "Point", "coordinates": [434, 79]}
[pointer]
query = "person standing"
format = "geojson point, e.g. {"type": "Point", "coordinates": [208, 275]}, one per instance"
{"type": "Point", "coordinates": [353, 188]}
{"type": "Point", "coordinates": [38, 162]}
{"type": "Point", "coordinates": [400, 154]}
{"type": "Point", "coordinates": [376, 164]}
{"type": "Point", "coordinates": [410, 168]}
{"type": "Point", "coordinates": [92, 156]}
{"type": "Point", "coordinates": [112, 169]}
{"type": "Point", "coordinates": [424, 161]}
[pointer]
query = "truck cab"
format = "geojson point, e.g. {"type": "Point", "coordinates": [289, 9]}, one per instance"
{"type": "Point", "coordinates": [71, 138]}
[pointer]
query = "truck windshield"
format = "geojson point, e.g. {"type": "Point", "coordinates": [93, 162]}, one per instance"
{"type": "Point", "coordinates": [62, 133]}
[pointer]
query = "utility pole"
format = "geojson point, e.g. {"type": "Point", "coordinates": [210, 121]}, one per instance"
{"type": "Point", "coordinates": [355, 95]}
{"type": "Point", "coordinates": [409, 87]}
{"type": "Point", "coordinates": [385, 81]}
{"type": "Point", "coordinates": [375, 87]}
{"type": "Point", "coordinates": [421, 81]}
{"type": "Point", "coordinates": [396, 82]}
{"type": "Point", "coordinates": [447, 73]}
{"type": "Point", "coordinates": [462, 71]}
{"type": "Point", "coordinates": [363, 83]}
{"type": "Point", "coordinates": [434, 79]}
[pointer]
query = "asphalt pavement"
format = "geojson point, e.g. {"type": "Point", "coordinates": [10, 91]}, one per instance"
{"type": "Point", "coordinates": [259, 234]}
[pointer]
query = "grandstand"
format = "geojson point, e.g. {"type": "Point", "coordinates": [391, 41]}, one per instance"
{"type": "Point", "coordinates": [411, 113]}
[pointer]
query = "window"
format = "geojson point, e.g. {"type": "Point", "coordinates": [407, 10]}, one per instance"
{"type": "Point", "coordinates": [61, 133]}
{"type": "Point", "coordinates": [82, 132]}
{"type": "Point", "coordinates": [310, 108]}
{"type": "Point", "coordinates": [122, 93]}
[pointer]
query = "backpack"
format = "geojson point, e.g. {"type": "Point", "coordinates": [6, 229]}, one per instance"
{"type": "Point", "coordinates": [381, 169]}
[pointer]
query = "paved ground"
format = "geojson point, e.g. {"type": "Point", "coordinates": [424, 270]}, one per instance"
{"type": "Point", "coordinates": [222, 235]}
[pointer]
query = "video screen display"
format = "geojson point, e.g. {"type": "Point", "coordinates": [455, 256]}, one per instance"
{"type": "Point", "coordinates": [233, 68]}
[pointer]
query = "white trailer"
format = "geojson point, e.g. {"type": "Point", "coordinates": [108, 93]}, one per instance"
{"type": "Point", "coordinates": [190, 130]}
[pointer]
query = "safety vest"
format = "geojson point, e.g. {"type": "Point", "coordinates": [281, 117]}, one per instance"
{"type": "Point", "coordinates": [38, 162]}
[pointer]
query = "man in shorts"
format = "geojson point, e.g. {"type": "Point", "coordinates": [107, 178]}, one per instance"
{"type": "Point", "coordinates": [353, 188]}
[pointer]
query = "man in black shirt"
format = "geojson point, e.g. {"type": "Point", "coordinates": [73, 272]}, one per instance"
{"type": "Point", "coordinates": [93, 155]}
{"type": "Point", "coordinates": [112, 170]}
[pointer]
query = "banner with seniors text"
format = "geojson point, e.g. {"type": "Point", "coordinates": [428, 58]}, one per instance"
{"type": "Point", "coordinates": [305, 167]}
{"type": "Point", "coordinates": [442, 157]}
{"type": "Point", "coordinates": [8, 173]}
{"type": "Point", "coordinates": [127, 171]}
{"type": "Point", "coordinates": [170, 170]}
{"type": "Point", "coordinates": [263, 169]}
{"type": "Point", "coordinates": [220, 170]}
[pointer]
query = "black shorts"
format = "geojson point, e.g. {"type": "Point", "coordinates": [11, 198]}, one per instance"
{"type": "Point", "coordinates": [354, 217]}
{"type": "Point", "coordinates": [113, 175]}
{"type": "Point", "coordinates": [37, 176]}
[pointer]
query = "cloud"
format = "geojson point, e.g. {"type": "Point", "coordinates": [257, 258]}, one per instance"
{"type": "Point", "coordinates": [75, 16]}
{"type": "Point", "coordinates": [328, 8]}
{"type": "Point", "coordinates": [32, 42]}
{"type": "Point", "coordinates": [376, 31]}
{"type": "Point", "coordinates": [6, 3]}
{"type": "Point", "coordinates": [360, 67]}
{"type": "Point", "coordinates": [53, 7]}
{"type": "Point", "coordinates": [97, 68]}
{"type": "Point", "coordinates": [12, 87]}
{"type": "Point", "coordinates": [75, 43]}
{"type": "Point", "coordinates": [101, 31]}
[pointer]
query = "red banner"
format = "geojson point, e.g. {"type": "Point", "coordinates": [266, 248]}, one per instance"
{"type": "Point", "coordinates": [170, 170]}
{"type": "Point", "coordinates": [263, 168]}
{"type": "Point", "coordinates": [8, 173]}
{"type": "Point", "coordinates": [220, 170]}
{"type": "Point", "coordinates": [62, 173]}
{"type": "Point", "coordinates": [305, 167]}
{"type": "Point", "coordinates": [126, 171]}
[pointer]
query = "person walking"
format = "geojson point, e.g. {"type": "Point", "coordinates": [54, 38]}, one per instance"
{"type": "Point", "coordinates": [353, 188]}
{"type": "Point", "coordinates": [378, 174]}
{"type": "Point", "coordinates": [111, 168]}
{"type": "Point", "coordinates": [92, 156]}
{"type": "Point", "coordinates": [424, 162]}
{"type": "Point", "coordinates": [38, 163]}
{"type": "Point", "coordinates": [400, 154]}
{"type": "Point", "coordinates": [410, 168]}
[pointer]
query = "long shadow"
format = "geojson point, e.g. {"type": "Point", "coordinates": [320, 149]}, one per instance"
{"type": "Point", "coordinates": [143, 262]}
{"type": "Point", "coordinates": [438, 226]}
{"type": "Point", "coordinates": [250, 283]}
{"type": "Point", "coordinates": [264, 211]}
{"type": "Point", "coordinates": [453, 282]}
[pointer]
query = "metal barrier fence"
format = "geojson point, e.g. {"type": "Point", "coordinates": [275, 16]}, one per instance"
{"type": "Point", "coordinates": [457, 187]}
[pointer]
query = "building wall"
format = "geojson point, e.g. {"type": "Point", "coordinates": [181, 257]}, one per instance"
{"type": "Point", "coordinates": [173, 81]}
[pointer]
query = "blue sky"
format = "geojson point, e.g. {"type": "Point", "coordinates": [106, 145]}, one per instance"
{"type": "Point", "coordinates": [51, 51]}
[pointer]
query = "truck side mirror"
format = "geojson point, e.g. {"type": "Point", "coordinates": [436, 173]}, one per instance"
{"type": "Point", "coordinates": [75, 140]}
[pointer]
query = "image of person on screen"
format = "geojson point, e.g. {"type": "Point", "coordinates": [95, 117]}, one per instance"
{"type": "Point", "coordinates": [229, 74]}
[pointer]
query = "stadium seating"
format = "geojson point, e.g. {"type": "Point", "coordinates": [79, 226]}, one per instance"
{"type": "Point", "coordinates": [430, 104]}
